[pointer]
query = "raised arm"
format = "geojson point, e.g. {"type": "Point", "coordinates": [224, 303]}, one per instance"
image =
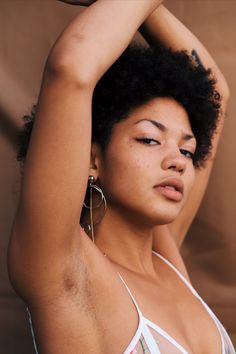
{"type": "Point", "coordinates": [163, 27]}
{"type": "Point", "coordinates": [45, 242]}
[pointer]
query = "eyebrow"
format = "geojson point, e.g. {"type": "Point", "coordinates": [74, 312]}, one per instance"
{"type": "Point", "coordinates": [163, 128]}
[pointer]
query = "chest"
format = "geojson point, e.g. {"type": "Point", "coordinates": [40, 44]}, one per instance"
{"type": "Point", "coordinates": [174, 316]}
{"type": "Point", "coordinates": [106, 319]}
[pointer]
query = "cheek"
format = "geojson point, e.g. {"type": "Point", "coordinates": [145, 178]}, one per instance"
{"type": "Point", "coordinates": [125, 170]}
{"type": "Point", "coordinates": [112, 172]}
{"type": "Point", "coordinates": [190, 179]}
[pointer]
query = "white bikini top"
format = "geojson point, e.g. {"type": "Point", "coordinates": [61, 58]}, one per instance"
{"type": "Point", "coordinates": [151, 339]}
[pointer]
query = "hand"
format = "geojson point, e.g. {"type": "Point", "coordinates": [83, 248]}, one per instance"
{"type": "Point", "coordinates": [79, 2]}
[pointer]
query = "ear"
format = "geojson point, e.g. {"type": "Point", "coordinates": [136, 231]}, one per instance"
{"type": "Point", "coordinates": [95, 160]}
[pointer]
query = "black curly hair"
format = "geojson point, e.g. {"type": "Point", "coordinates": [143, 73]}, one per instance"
{"type": "Point", "coordinates": [139, 75]}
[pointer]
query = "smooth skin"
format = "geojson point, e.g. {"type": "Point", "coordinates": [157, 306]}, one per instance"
{"type": "Point", "coordinates": [77, 301]}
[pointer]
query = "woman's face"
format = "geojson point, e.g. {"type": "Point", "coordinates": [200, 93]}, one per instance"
{"type": "Point", "coordinates": [147, 171]}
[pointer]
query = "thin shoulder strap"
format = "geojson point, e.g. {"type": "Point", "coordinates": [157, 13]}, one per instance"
{"type": "Point", "coordinates": [211, 313]}
{"type": "Point", "coordinates": [178, 273]}
{"type": "Point", "coordinates": [131, 295]}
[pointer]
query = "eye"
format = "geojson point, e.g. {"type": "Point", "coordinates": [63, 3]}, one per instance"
{"type": "Point", "coordinates": [148, 141]}
{"type": "Point", "coordinates": [187, 153]}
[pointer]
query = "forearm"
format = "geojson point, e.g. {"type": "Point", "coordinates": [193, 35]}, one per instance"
{"type": "Point", "coordinates": [163, 27]}
{"type": "Point", "coordinates": [97, 37]}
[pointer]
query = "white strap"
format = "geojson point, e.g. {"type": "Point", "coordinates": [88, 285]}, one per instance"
{"type": "Point", "coordinates": [133, 299]}
{"type": "Point", "coordinates": [166, 336]}
{"type": "Point", "coordinates": [151, 344]}
{"type": "Point", "coordinates": [210, 312]}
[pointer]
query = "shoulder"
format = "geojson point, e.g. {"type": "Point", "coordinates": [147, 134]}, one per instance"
{"type": "Point", "coordinates": [164, 244]}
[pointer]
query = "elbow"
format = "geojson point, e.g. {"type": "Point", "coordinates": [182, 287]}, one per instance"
{"type": "Point", "coordinates": [73, 66]}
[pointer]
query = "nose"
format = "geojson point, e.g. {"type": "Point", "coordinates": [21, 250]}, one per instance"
{"type": "Point", "coordinates": [175, 161]}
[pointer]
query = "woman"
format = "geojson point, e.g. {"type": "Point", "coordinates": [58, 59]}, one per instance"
{"type": "Point", "coordinates": [154, 118]}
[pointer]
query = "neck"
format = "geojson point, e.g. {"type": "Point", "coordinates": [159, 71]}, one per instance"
{"type": "Point", "coordinates": [125, 244]}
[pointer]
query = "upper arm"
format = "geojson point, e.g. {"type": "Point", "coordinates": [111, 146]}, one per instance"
{"type": "Point", "coordinates": [164, 243]}
{"type": "Point", "coordinates": [162, 26]}
{"type": "Point", "coordinates": [179, 227]}
{"type": "Point", "coordinates": [57, 161]}
{"type": "Point", "coordinates": [57, 164]}
{"type": "Point", "coordinates": [54, 180]}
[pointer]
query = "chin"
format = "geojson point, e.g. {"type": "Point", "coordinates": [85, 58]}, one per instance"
{"type": "Point", "coordinates": [167, 213]}
{"type": "Point", "coordinates": [164, 220]}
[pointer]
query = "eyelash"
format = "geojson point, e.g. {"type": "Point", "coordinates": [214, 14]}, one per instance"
{"type": "Point", "coordinates": [187, 153]}
{"type": "Point", "coordinates": [147, 141]}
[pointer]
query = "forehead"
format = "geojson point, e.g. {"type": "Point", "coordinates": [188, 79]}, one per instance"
{"type": "Point", "coordinates": [166, 111]}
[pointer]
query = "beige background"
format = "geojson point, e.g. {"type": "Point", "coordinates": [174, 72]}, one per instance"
{"type": "Point", "coordinates": [28, 29]}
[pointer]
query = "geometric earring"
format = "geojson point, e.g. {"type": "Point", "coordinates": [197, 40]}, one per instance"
{"type": "Point", "coordinates": [93, 191]}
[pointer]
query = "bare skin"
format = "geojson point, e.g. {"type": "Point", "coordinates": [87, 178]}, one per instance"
{"type": "Point", "coordinates": [154, 156]}
{"type": "Point", "coordinates": [77, 301]}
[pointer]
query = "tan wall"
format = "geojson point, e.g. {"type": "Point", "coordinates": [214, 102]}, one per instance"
{"type": "Point", "coordinates": [28, 29]}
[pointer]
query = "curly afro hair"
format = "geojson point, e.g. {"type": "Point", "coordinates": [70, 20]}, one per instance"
{"type": "Point", "coordinates": [139, 75]}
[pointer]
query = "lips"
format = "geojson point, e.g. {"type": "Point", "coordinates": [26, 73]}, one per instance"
{"type": "Point", "coordinates": [176, 183]}
{"type": "Point", "coordinates": [171, 188]}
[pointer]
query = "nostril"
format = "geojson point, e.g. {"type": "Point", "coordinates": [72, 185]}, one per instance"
{"type": "Point", "coordinates": [176, 168]}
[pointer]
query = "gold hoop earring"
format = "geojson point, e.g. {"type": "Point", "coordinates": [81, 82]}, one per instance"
{"type": "Point", "coordinates": [102, 200]}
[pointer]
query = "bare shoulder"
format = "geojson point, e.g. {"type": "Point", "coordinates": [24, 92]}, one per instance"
{"type": "Point", "coordinates": [165, 244]}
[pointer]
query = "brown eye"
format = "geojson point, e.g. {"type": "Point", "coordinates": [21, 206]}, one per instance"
{"type": "Point", "coordinates": [187, 153]}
